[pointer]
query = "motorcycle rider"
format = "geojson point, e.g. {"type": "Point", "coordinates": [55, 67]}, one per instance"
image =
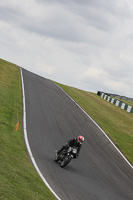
{"type": "Point", "coordinates": [75, 142]}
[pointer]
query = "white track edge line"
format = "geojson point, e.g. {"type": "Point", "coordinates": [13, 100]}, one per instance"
{"type": "Point", "coordinates": [98, 127]}
{"type": "Point", "coordinates": [27, 142]}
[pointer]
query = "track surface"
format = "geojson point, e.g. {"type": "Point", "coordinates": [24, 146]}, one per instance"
{"type": "Point", "coordinates": [99, 173]}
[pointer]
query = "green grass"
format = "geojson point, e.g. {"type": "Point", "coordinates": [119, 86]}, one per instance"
{"type": "Point", "coordinates": [117, 123]}
{"type": "Point", "coordinates": [127, 102]}
{"type": "Point", "coordinates": [18, 178]}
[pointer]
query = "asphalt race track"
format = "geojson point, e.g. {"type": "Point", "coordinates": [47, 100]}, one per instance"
{"type": "Point", "coordinates": [99, 173]}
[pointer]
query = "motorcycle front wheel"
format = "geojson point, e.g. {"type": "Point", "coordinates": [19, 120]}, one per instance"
{"type": "Point", "coordinates": [65, 161]}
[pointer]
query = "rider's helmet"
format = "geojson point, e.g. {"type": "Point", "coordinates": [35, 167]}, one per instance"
{"type": "Point", "coordinates": [81, 139]}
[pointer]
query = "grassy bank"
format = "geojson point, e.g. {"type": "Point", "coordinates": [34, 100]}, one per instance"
{"type": "Point", "coordinates": [18, 178]}
{"type": "Point", "coordinates": [117, 123]}
{"type": "Point", "coordinates": [130, 103]}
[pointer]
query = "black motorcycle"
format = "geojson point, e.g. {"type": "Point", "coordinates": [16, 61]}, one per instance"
{"type": "Point", "coordinates": [65, 156]}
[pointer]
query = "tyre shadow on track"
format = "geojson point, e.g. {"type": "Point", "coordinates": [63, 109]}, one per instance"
{"type": "Point", "coordinates": [71, 167]}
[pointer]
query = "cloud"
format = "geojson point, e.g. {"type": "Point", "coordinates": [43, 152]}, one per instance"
{"type": "Point", "coordinates": [83, 43]}
{"type": "Point", "coordinates": [103, 79]}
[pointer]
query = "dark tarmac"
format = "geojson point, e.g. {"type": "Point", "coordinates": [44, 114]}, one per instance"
{"type": "Point", "coordinates": [99, 173]}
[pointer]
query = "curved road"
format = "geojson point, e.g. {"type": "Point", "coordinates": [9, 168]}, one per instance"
{"type": "Point", "coordinates": [99, 173]}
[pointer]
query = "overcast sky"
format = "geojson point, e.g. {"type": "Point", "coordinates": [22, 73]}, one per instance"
{"type": "Point", "coordinates": [87, 44]}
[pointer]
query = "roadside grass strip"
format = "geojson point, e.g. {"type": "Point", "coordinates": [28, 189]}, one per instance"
{"type": "Point", "coordinates": [116, 123]}
{"type": "Point", "coordinates": [18, 178]}
{"type": "Point", "coordinates": [125, 105]}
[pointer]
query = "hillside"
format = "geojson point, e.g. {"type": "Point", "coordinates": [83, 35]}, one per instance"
{"type": "Point", "coordinates": [117, 123]}
{"type": "Point", "coordinates": [19, 180]}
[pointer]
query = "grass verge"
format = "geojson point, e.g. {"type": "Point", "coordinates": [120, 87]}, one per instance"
{"type": "Point", "coordinates": [117, 123]}
{"type": "Point", "coordinates": [130, 103]}
{"type": "Point", "coordinates": [18, 178]}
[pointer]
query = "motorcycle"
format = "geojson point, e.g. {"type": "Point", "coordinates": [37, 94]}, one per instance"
{"type": "Point", "coordinates": [65, 156]}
